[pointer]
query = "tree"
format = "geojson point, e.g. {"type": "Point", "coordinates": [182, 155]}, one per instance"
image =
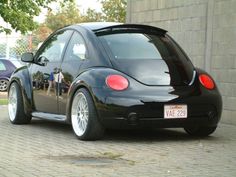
{"type": "Point", "coordinates": [92, 15]}
{"type": "Point", "coordinates": [114, 10]}
{"type": "Point", "coordinates": [20, 14]}
{"type": "Point", "coordinates": [67, 15]}
{"type": "Point", "coordinates": [42, 33]}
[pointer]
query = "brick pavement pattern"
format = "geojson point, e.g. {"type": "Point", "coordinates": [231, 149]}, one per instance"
{"type": "Point", "coordinates": [45, 148]}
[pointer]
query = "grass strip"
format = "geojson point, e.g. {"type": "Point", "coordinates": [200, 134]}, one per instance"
{"type": "Point", "coordinates": [3, 101]}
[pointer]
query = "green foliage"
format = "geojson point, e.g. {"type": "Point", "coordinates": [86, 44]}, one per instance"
{"type": "Point", "coordinates": [67, 15]}
{"type": "Point", "coordinates": [20, 13]}
{"type": "Point", "coordinates": [92, 15]}
{"type": "Point", "coordinates": [40, 34]}
{"type": "Point", "coordinates": [114, 10]}
{"type": "Point", "coordinates": [70, 14]}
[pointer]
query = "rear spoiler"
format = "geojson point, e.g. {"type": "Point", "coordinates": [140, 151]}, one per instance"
{"type": "Point", "coordinates": [130, 27]}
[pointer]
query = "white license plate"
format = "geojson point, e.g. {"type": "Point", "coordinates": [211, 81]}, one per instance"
{"type": "Point", "coordinates": [175, 111]}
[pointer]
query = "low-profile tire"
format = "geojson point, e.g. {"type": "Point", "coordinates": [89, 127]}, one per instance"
{"type": "Point", "coordinates": [16, 106]}
{"type": "Point", "coordinates": [3, 85]}
{"type": "Point", "coordinates": [200, 131]}
{"type": "Point", "coordinates": [84, 119]}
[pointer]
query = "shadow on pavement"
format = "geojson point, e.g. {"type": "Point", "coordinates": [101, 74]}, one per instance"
{"type": "Point", "coordinates": [152, 135]}
{"type": "Point", "coordinates": [124, 135]}
{"type": "Point", "coordinates": [56, 126]}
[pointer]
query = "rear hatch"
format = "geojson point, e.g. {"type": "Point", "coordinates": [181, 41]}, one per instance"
{"type": "Point", "coordinates": [149, 56]}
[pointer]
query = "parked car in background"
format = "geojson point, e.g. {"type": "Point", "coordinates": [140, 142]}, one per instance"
{"type": "Point", "coordinates": [107, 75]}
{"type": "Point", "coordinates": [7, 67]}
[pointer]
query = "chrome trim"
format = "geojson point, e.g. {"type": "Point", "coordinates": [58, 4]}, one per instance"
{"type": "Point", "coordinates": [193, 78]}
{"type": "Point", "coordinates": [48, 116]}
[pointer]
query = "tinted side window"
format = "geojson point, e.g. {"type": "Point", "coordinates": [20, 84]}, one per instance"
{"type": "Point", "coordinates": [76, 49]}
{"type": "Point", "coordinates": [54, 47]}
{"type": "Point", "coordinates": [2, 66]}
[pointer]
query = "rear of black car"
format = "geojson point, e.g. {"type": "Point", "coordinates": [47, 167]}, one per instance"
{"type": "Point", "coordinates": [159, 77]}
{"type": "Point", "coordinates": [150, 57]}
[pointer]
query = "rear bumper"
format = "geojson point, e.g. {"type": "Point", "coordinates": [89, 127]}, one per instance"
{"type": "Point", "coordinates": [132, 111]}
{"type": "Point", "coordinates": [125, 123]}
{"type": "Point", "coordinates": [152, 115]}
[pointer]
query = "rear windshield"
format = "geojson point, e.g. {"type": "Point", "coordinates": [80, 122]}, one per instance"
{"type": "Point", "coordinates": [133, 46]}
{"type": "Point", "coordinates": [141, 46]}
{"type": "Point", "coordinates": [148, 51]}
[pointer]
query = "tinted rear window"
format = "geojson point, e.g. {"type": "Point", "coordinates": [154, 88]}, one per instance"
{"type": "Point", "coordinates": [148, 51]}
{"type": "Point", "coordinates": [141, 46]}
{"type": "Point", "coordinates": [133, 46]}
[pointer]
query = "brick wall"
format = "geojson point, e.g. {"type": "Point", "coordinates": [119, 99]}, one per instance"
{"type": "Point", "coordinates": [206, 29]}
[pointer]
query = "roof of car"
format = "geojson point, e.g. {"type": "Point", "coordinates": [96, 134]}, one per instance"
{"type": "Point", "coordinates": [3, 59]}
{"type": "Point", "coordinates": [99, 26]}
{"type": "Point", "coordinates": [17, 63]}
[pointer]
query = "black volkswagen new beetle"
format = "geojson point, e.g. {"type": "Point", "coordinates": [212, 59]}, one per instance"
{"type": "Point", "coordinates": [109, 75]}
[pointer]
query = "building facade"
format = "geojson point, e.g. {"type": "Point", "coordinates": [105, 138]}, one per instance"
{"type": "Point", "coordinates": [206, 30]}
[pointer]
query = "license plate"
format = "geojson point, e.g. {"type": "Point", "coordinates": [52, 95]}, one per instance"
{"type": "Point", "coordinates": [175, 111]}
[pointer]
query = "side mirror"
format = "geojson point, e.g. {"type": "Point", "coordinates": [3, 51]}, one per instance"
{"type": "Point", "coordinates": [27, 57]}
{"type": "Point", "coordinates": [42, 61]}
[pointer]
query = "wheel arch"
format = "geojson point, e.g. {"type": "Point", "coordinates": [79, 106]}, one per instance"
{"type": "Point", "coordinates": [91, 80]}
{"type": "Point", "coordinates": [72, 92]}
{"type": "Point", "coordinates": [23, 79]}
{"type": "Point", "coordinates": [4, 78]}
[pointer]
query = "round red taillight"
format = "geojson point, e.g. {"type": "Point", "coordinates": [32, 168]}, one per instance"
{"type": "Point", "coordinates": [117, 82]}
{"type": "Point", "coordinates": [207, 81]}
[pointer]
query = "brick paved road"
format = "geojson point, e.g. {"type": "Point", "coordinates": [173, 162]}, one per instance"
{"type": "Point", "coordinates": [50, 149]}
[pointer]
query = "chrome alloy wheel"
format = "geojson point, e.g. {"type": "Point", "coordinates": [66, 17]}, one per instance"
{"type": "Point", "coordinates": [12, 103]}
{"type": "Point", "coordinates": [79, 114]}
{"type": "Point", "coordinates": [3, 84]}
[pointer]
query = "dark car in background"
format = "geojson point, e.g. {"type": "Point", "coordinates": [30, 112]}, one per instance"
{"type": "Point", "coordinates": [7, 67]}
{"type": "Point", "coordinates": [97, 76]}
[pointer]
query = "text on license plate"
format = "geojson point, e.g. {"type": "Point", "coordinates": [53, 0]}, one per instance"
{"type": "Point", "coordinates": [175, 111]}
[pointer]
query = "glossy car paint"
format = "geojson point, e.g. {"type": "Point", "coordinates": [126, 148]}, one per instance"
{"type": "Point", "coordinates": [140, 105]}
